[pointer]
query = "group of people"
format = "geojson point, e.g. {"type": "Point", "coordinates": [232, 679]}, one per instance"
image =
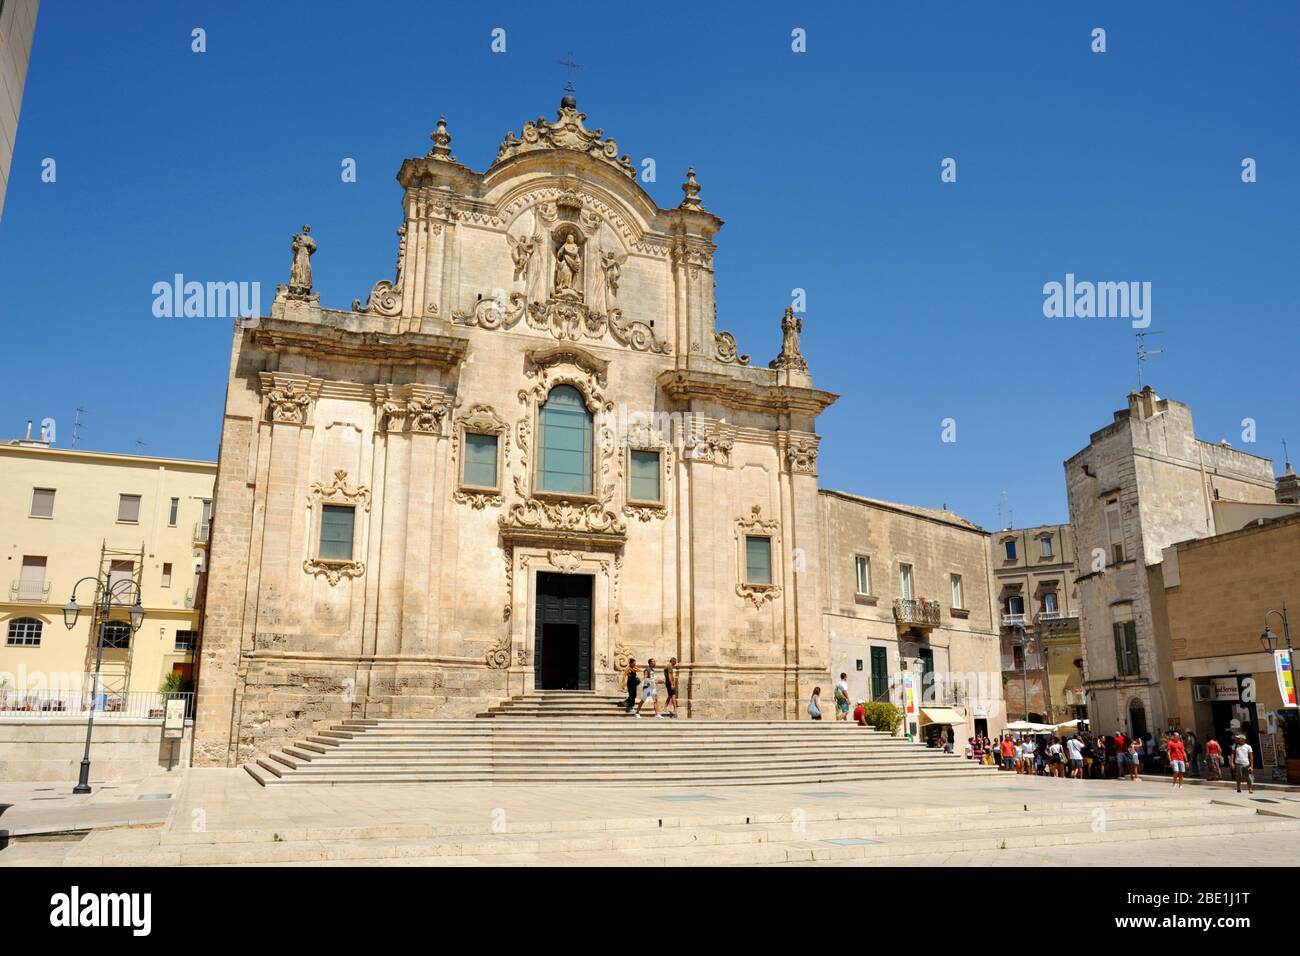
{"type": "Point", "coordinates": [643, 685]}
{"type": "Point", "coordinates": [841, 703]}
{"type": "Point", "coordinates": [1090, 756]}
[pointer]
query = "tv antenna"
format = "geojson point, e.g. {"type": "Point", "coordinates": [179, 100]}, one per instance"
{"type": "Point", "coordinates": [1005, 516]}
{"type": "Point", "coordinates": [1143, 353]}
{"type": "Point", "coordinates": [76, 425]}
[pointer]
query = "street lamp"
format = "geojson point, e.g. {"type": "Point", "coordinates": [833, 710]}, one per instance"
{"type": "Point", "coordinates": [1268, 638]}
{"type": "Point", "coordinates": [106, 590]}
{"type": "Point", "coordinates": [1024, 665]}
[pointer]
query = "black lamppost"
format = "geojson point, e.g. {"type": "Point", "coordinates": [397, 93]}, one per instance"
{"type": "Point", "coordinates": [107, 593]}
{"type": "Point", "coordinates": [1269, 639]}
{"type": "Point", "coordinates": [1024, 665]}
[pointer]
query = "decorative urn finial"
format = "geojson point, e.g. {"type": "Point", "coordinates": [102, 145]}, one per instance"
{"type": "Point", "coordinates": [441, 142]}
{"type": "Point", "coordinates": [692, 190]}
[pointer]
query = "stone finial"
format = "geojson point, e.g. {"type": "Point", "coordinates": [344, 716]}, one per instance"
{"type": "Point", "coordinates": [692, 190]}
{"type": "Point", "coordinates": [790, 358]}
{"type": "Point", "coordinates": [441, 143]}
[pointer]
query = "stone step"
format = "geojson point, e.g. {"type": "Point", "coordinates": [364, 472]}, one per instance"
{"type": "Point", "coordinates": [735, 843]}
{"type": "Point", "coordinates": [506, 762]}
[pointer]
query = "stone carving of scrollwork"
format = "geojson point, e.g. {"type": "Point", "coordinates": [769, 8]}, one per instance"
{"type": "Point", "coordinates": [564, 561]}
{"type": "Point", "coordinates": [478, 499]}
{"type": "Point", "coordinates": [563, 516]}
{"type": "Point", "coordinates": [714, 446]}
{"type": "Point", "coordinates": [426, 415]}
{"type": "Point", "coordinates": [288, 404]}
{"type": "Point", "coordinates": [758, 594]}
{"type": "Point", "coordinates": [801, 457]}
{"type": "Point", "coordinates": [386, 297]}
{"type": "Point", "coordinates": [340, 490]}
{"type": "Point", "coordinates": [644, 512]}
{"type": "Point", "coordinates": [489, 313]}
{"type": "Point", "coordinates": [510, 584]}
{"type": "Point", "coordinates": [725, 350]}
{"type": "Point", "coordinates": [622, 654]}
{"type": "Point", "coordinates": [334, 571]}
{"type": "Point", "coordinates": [498, 655]}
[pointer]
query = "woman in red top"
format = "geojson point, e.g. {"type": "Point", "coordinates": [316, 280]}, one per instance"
{"type": "Point", "coordinates": [1214, 761]}
{"type": "Point", "coordinates": [1177, 752]}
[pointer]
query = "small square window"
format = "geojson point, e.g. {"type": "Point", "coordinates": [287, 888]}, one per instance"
{"type": "Point", "coordinates": [480, 461]}
{"type": "Point", "coordinates": [758, 560]}
{"type": "Point", "coordinates": [42, 503]}
{"type": "Point", "coordinates": [336, 526]}
{"type": "Point", "coordinates": [185, 640]}
{"type": "Point", "coordinates": [128, 508]}
{"type": "Point", "coordinates": [956, 591]}
{"type": "Point", "coordinates": [643, 476]}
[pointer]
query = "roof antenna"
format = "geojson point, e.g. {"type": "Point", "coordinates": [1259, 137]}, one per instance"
{"type": "Point", "coordinates": [1143, 352]}
{"type": "Point", "coordinates": [76, 426]}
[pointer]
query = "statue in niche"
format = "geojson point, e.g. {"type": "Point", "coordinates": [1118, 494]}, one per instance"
{"type": "Point", "coordinates": [568, 268]}
{"type": "Point", "coordinates": [303, 247]}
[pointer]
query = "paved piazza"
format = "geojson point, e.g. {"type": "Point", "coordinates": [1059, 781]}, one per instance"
{"type": "Point", "coordinates": [217, 816]}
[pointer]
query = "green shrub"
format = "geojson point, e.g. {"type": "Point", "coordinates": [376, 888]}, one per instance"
{"type": "Point", "coordinates": [171, 683]}
{"type": "Point", "coordinates": [884, 717]}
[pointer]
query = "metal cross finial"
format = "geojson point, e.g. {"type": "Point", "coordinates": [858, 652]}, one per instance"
{"type": "Point", "coordinates": [569, 66]}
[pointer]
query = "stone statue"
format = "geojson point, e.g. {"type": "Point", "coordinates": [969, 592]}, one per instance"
{"type": "Point", "coordinates": [304, 247]}
{"type": "Point", "coordinates": [521, 253]}
{"type": "Point", "coordinates": [790, 358]}
{"type": "Point", "coordinates": [606, 287]}
{"type": "Point", "coordinates": [568, 267]}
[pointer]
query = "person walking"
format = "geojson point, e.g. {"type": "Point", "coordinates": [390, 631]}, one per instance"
{"type": "Point", "coordinates": [649, 690]}
{"type": "Point", "coordinates": [1177, 751]}
{"type": "Point", "coordinates": [842, 698]}
{"type": "Point", "coordinates": [1243, 759]}
{"type": "Point", "coordinates": [1193, 752]}
{"type": "Point", "coordinates": [1213, 760]}
{"type": "Point", "coordinates": [631, 680]}
{"type": "Point", "coordinates": [670, 688]}
{"type": "Point", "coordinates": [814, 704]}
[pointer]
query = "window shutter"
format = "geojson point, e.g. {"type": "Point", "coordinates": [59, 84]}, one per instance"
{"type": "Point", "coordinates": [1121, 668]}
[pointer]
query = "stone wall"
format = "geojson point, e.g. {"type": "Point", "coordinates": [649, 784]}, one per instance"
{"type": "Point", "coordinates": [123, 748]}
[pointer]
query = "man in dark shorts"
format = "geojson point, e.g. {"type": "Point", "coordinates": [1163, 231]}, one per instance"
{"type": "Point", "coordinates": [670, 688]}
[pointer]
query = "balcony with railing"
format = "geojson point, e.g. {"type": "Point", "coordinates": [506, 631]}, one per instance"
{"type": "Point", "coordinates": [29, 592]}
{"type": "Point", "coordinates": [916, 612]}
{"type": "Point", "coordinates": [1014, 620]}
{"type": "Point", "coordinates": [202, 530]}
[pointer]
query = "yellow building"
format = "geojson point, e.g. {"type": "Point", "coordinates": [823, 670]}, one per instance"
{"type": "Point", "coordinates": [67, 514]}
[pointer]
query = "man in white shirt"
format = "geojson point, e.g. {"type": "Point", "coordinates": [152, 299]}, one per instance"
{"type": "Point", "coordinates": [1075, 746]}
{"type": "Point", "coordinates": [1243, 757]}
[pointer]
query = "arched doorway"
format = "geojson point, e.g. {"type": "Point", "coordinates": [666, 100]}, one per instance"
{"type": "Point", "coordinates": [1137, 718]}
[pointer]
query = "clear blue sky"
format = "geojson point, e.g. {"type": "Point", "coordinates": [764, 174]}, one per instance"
{"type": "Point", "coordinates": [924, 298]}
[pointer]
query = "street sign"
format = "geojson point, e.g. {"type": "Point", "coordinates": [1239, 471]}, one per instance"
{"type": "Point", "coordinates": [174, 719]}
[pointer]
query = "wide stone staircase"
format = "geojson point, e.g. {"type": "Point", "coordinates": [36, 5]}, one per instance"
{"type": "Point", "coordinates": [586, 740]}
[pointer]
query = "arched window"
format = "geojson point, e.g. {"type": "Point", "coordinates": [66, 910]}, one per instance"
{"type": "Point", "coordinates": [117, 634]}
{"type": "Point", "coordinates": [564, 464]}
{"type": "Point", "coordinates": [24, 632]}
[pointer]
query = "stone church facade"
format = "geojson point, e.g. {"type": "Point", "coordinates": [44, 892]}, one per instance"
{"type": "Point", "coordinates": [527, 457]}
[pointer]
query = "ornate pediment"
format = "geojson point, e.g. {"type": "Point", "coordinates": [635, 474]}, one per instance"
{"type": "Point", "coordinates": [567, 132]}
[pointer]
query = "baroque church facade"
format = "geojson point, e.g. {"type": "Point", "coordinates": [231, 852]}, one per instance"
{"type": "Point", "coordinates": [528, 457]}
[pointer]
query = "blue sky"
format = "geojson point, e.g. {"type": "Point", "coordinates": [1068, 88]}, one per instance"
{"type": "Point", "coordinates": [924, 298]}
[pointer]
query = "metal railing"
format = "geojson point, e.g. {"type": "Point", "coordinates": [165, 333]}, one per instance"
{"type": "Point", "coordinates": [28, 704]}
{"type": "Point", "coordinates": [28, 592]}
{"type": "Point", "coordinates": [916, 611]}
{"type": "Point", "coordinates": [1055, 615]}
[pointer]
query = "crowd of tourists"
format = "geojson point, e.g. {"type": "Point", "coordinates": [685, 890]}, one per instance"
{"type": "Point", "coordinates": [1087, 756]}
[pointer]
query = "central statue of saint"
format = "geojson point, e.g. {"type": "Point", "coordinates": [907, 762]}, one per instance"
{"type": "Point", "coordinates": [568, 265]}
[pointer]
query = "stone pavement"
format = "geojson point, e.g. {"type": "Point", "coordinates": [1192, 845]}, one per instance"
{"type": "Point", "coordinates": [46, 807]}
{"type": "Point", "coordinates": [222, 816]}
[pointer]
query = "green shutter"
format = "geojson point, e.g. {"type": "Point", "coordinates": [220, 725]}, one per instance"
{"type": "Point", "coordinates": [1121, 662]}
{"type": "Point", "coordinates": [644, 480]}
{"type": "Point", "coordinates": [1131, 645]}
{"type": "Point", "coordinates": [336, 532]}
{"type": "Point", "coordinates": [480, 460]}
{"type": "Point", "coordinates": [758, 560]}
{"type": "Point", "coordinates": [879, 673]}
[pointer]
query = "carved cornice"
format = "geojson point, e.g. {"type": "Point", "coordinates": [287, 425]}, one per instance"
{"type": "Point", "coordinates": [339, 490]}
{"type": "Point", "coordinates": [743, 395]}
{"type": "Point", "coordinates": [537, 359]}
{"type": "Point", "coordinates": [331, 342]}
{"type": "Point", "coordinates": [565, 524]}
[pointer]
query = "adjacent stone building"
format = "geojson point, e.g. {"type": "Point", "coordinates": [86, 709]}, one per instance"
{"type": "Point", "coordinates": [1220, 594]}
{"type": "Point", "coordinates": [1038, 615]}
{"type": "Point", "coordinates": [1144, 482]}
{"type": "Point", "coordinates": [17, 28]}
{"type": "Point", "coordinates": [910, 589]}
{"type": "Point", "coordinates": [525, 458]}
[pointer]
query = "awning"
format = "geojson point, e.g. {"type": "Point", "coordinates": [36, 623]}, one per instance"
{"type": "Point", "coordinates": [941, 715]}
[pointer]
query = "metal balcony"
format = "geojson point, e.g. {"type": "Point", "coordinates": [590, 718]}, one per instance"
{"type": "Point", "coordinates": [28, 592]}
{"type": "Point", "coordinates": [916, 612]}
